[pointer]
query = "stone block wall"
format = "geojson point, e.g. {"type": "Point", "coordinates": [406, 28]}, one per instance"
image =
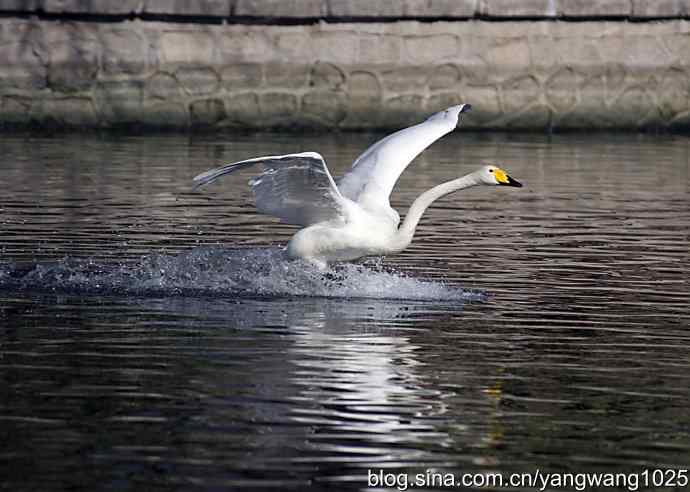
{"type": "Point", "coordinates": [340, 10]}
{"type": "Point", "coordinates": [347, 64]}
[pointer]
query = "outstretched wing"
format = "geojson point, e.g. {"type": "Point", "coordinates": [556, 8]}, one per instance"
{"type": "Point", "coordinates": [376, 171]}
{"type": "Point", "coordinates": [297, 188]}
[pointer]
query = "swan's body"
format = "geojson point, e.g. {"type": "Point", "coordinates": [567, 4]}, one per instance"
{"type": "Point", "coordinates": [353, 218]}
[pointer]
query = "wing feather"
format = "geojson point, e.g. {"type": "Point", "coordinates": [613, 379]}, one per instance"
{"type": "Point", "coordinates": [375, 172]}
{"type": "Point", "coordinates": [297, 188]}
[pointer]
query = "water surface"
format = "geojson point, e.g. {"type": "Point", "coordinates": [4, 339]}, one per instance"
{"type": "Point", "coordinates": [153, 338]}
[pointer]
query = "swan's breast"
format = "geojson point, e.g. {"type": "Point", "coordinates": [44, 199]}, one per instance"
{"type": "Point", "coordinates": [368, 235]}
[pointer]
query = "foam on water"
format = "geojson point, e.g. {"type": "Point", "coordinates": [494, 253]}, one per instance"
{"type": "Point", "coordinates": [224, 272]}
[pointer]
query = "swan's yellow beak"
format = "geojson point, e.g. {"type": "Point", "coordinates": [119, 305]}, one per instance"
{"type": "Point", "coordinates": [505, 180]}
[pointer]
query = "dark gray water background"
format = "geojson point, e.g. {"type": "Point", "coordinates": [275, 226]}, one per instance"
{"type": "Point", "coordinates": [152, 338]}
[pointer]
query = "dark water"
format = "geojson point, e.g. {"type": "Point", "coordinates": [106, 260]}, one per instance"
{"type": "Point", "coordinates": [152, 338]}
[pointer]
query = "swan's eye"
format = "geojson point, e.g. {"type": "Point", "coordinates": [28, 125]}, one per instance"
{"type": "Point", "coordinates": [491, 170]}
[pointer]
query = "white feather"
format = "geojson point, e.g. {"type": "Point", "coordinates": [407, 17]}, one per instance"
{"type": "Point", "coordinates": [353, 218]}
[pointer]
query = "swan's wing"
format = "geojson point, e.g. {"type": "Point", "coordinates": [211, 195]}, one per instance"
{"type": "Point", "coordinates": [375, 172]}
{"type": "Point", "coordinates": [297, 188]}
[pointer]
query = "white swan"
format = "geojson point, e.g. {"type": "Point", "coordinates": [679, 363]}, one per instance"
{"type": "Point", "coordinates": [353, 217]}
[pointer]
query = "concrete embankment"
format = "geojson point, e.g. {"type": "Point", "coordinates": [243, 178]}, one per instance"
{"type": "Point", "coordinates": [348, 64]}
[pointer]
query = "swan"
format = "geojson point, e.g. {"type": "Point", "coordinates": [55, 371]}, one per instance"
{"type": "Point", "coordinates": [352, 218]}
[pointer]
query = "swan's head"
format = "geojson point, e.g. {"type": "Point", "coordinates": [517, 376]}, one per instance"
{"type": "Point", "coordinates": [494, 175]}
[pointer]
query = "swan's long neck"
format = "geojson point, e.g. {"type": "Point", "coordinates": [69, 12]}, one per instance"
{"type": "Point", "coordinates": [423, 201]}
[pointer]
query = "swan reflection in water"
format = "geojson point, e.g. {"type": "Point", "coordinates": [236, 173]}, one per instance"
{"type": "Point", "coordinates": [311, 384]}
{"type": "Point", "coordinates": [344, 382]}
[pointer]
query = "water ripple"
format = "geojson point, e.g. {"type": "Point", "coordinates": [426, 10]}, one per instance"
{"type": "Point", "coordinates": [201, 359]}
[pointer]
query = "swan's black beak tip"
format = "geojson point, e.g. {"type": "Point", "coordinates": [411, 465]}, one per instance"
{"type": "Point", "coordinates": [513, 182]}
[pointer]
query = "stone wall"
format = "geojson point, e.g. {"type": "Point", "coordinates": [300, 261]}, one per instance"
{"type": "Point", "coordinates": [339, 10]}
{"type": "Point", "coordinates": [256, 64]}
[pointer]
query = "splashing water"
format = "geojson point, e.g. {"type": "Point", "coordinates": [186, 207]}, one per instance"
{"type": "Point", "coordinates": [221, 271]}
